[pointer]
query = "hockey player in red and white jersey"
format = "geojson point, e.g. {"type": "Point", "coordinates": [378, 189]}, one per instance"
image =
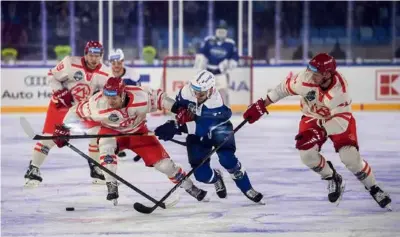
{"type": "Point", "coordinates": [122, 109]}
{"type": "Point", "coordinates": [326, 106]}
{"type": "Point", "coordinates": [128, 76]}
{"type": "Point", "coordinates": [74, 79]}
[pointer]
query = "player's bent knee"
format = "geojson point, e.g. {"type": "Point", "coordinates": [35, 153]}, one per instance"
{"type": "Point", "coordinates": [204, 174]}
{"type": "Point", "coordinates": [310, 157]}
{"type": "Point", "coordinates": [167, 167]}
{"type": "Point", "coordinates": [345, 142]}
{"type": "Point", "coordinates": [227, 159]}
{"type": "Point", "coordinates": [351, 158]}
{"type": "Point", "coordinates": [107, 145]}
{"type": "Point", "coordinates": [107, 141]}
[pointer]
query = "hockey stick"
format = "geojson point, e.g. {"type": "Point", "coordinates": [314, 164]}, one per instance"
{"type": "Point", "coordinates": [29, 131]}
{"type": "Point", "coordinates": [41, 137]}
{"type": "Point", "coordinates": [147, 210]}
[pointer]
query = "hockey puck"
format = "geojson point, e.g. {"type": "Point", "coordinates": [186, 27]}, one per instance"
{"type": "Point", "coordinates": [70, 209]}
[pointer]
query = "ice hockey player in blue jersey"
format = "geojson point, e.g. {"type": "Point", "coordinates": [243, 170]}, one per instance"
{"type": "Point", "coordinates": [218, 55]}
{"type": "Point", "coordinates": [201, 114]}
{"type": "Point", "coordinates": [128, 76]}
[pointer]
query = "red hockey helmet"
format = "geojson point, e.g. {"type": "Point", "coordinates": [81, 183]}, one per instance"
{"type": "Point", "coordinates": [322, 63]}
{"type": "Point", "coordinates": [94, 47]}
{"type": "Point", "coordinates": [113, 87]}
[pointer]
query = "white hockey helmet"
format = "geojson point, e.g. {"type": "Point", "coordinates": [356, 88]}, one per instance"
{"type": "Point", "coordinates": [203, 81]}
{"type": "Point", "coordinates": [116, 55]}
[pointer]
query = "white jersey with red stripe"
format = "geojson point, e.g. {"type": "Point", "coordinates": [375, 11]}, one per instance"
{"type": "Point", "coordinates": [73, 74]}
{"type": "Point", "coordinates": [130, 118]}
{"type": "Point", "coordinates": [332, 106]}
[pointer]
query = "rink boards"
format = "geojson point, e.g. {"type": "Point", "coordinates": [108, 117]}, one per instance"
{"type": "Point", "coordinates": [25, 89]}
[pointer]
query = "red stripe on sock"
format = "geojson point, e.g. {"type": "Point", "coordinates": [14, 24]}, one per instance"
{"type": "Point", "coordinates": [365, 167]}
{"type": "Point", "coordinates": [37, 149]}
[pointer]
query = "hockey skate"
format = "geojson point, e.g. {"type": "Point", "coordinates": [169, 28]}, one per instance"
{"type": "Point", "coordinates": [220, 187]}
{"type": "Point", "coordinates": [32, 176]}
{"type": "Point", "coordinates": [336, 186]}
{"type": "Point", "coordinates": [97, 175]}
{"type": "Point", "coordinates": [112, 195]}
{"type": "Point", "coordinates": [255, 196]}
{"type": "Point", "coordinates": [381, 197]}
{"type": "Point", "coordinates": [198, 193]}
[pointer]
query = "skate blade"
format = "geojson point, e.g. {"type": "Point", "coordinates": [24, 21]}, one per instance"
{"type": "Point", "coordinates": [31, 183]}
{"type": "Point", "coordinates": [206, 199]}
{"type": "Point", "coordinates": [388, 207]}
{"type": "Point", "coordinates": [342, 188]}
{"type": "Point", "coordinates": [261, 202]}
{"type": "Point", "coordinates": [98, 181]}
{"type": "Point", "coordinates": [115, 202]}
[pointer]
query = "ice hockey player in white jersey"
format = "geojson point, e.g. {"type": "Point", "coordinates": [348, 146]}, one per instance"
{"type": "Point", "coordinates": [201, 114]}
{"type": "Point", "coordinates": [122, 109]}
{"type": "Point", "coordinates": [74, 79]}
{"type": "Point", "coordinates": [128, 76]}
{"type": "Point", "coordinates": [218, 55]}
{"type": "Point", "coordinates": [326, 106]}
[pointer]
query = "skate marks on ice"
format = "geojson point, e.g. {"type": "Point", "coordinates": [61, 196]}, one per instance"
{"type": "Point", "coordinates": [296, 198]}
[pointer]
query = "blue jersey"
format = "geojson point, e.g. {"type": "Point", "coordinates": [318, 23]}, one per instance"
{"type": "Point", "coordinates": [209, 115]}
{"type": "Point", "coordinates": [217, 51]}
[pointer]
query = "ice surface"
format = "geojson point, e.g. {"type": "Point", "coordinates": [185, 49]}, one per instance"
{"type": "Point", "coordinates": [296, 197]}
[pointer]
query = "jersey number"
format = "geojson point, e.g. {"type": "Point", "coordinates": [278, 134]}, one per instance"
{"type": "Point", "coordinates": [60, 66]}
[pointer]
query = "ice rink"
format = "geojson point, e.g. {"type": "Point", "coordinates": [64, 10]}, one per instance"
{"type": "Point", "coordinates": [296, 198]}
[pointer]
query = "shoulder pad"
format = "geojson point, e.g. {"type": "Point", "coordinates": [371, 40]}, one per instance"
{"type": "Point", "coordinates": [186, 94]}
{"type": "Point", "coordinates": [215, 101]}
{"type": "Point", "coordinates": [231, 41]}
{"type": "Point", "coordinates": [211, 37]}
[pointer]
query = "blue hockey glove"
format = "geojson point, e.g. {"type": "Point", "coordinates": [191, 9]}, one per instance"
{"type": "Point", "coordinates": [168, 130]}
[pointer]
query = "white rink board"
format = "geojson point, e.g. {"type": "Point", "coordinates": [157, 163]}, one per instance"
{"type": "Point", "coordinates": [19, 89]}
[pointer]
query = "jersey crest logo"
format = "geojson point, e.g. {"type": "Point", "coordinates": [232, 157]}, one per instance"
{"type": "Point", "coordinates": [78, 76]}
{"type": "Point", "coordinates": [80, 91]}
{"type": "Point", "coordinates": [113, 118]}
{"type": "Point", "coordinates": [218, 52]}
{"type": "Point", "coordinates": [310, 96]}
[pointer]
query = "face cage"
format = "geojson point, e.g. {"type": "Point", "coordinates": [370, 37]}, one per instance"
{"type": "Point", "coordinates": [221, 33]}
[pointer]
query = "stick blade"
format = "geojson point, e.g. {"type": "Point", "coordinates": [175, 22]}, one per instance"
{"type": "Point", "coordinates": [142, 208]}
{"type": "Point", "coordinates": [26, 126]}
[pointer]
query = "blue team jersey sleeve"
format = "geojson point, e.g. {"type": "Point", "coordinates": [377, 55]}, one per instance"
{"type": "Point", "coordinates": [233, 50]}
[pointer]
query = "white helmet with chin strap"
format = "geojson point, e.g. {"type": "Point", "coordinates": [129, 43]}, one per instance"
{"type": "Point", "coordinates": [203, 81]}
{"type": "Point", "coordinates": [116, 55]}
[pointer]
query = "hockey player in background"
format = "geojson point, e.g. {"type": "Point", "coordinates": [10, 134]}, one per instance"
{"type": "Point", "coordinates": [74, 79]}
{"type": "Point", "coordinates": [326, 106]}
{"type": "Point", "coordinates": [201, 114]}
{"type": "Point", "coordinates": [128, 76]}
{"type": "Point", "coordinates": [218, 55]}
{"type": "Point", "coordinates": [122, 109]}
